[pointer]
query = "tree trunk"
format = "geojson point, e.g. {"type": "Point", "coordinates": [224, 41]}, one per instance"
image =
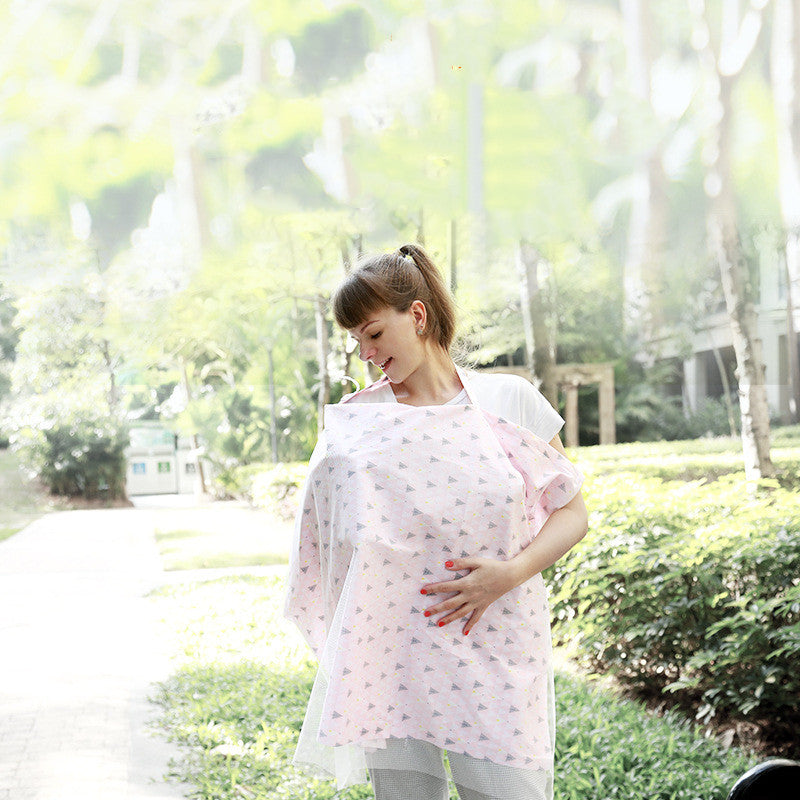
{"type": "Point", "coordinates": [476, 177]}
{"type": "Point", "coordinates": [347, 264]}
{"type": "Point", "coordinates": [785, 70]}
{"type": "Point", "coordinates": [113, 392]}
{"type": "Point", "coordinates": [647, 230]}
{"type": "Point", "coordinates": [198, 461]}
{"type": "Point", "coordinates": [793, 242]}
{"type": "Point", "coordinates": [190, 211]}
{"type": "Point", "coordinates": [273, 407]}
{"type": "Point", "coordinates": [725, 245]}
{"type": "Point", "coordinates": [323, 348]}
{"type": "Point", "coordinates": [539, 350]}
{"type": "Point", "coordinates": [252, 57]}
{"type": "Point", "coordinates": [738, 37]}
{"type": "Point", "coordinates": [131, 52]}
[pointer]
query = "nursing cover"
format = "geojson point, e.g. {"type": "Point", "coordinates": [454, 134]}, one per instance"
{"type": "Point", "coordinates": [394, 491]}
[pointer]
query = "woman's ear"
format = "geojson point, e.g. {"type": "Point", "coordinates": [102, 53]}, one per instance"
{"type": "Point", "coordinates": [419, 313]}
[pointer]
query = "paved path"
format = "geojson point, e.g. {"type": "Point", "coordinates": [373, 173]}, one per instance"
{"type": "Point", "coordinates": [78, 655]}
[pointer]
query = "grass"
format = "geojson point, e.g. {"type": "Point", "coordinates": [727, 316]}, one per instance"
{"type": "Point", "coordinates": [21, 500]}
{"type": "Point", "coordinates": [691, 459]}
{"type": "Point", "coordinates": [243, 675]}
{"type": "Point", "coordinates": [251, 541]}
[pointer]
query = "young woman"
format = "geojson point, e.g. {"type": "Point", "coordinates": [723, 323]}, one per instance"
{"type": "Point", "coordinates": [435, 498]}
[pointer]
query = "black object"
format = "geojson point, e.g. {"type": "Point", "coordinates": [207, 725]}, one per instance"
{"type": "Point", "coordinates": [778, 779]}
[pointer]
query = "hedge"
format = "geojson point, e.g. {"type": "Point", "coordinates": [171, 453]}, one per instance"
{"type": "Point", "coordinates": [83, 456]}
{"type": "Point", "coordinates": [690, 588]}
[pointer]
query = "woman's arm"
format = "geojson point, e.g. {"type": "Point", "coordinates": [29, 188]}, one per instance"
{"type": "Point", "coordinates": [488, 579]}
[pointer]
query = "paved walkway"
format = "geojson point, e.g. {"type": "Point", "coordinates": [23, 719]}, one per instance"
{"type": "Point", "coordinates": [78, 655]}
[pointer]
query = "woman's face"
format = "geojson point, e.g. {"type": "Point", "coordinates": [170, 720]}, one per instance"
{"type": "Point", "coordinates": [388, 338]}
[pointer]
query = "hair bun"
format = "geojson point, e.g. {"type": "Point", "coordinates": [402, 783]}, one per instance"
{"type": "Point", "coordinates": [406, 250]}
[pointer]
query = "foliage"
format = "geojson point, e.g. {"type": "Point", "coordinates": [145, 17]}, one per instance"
{"type": "Point", "coordinates": [273, 487]}
{"type": "Point", "coordinates": [645, 414]}
{"type": "Point", "coordinates": [689, 587]}
{"type": "Point", "coordinates": [81, 456]}
{"type": "Point", "coordinates": [9, 333]}
{"type": "Point", "coordinates": [21, 500]}
{"type": "Point", "coordinates": [237, 700]}
{"type": "Point", "coordinates": [645, 411]}
{"type": "Point", "coordinates": [234, 428]}
{"type": "Point", "coordinates": [211, 162]}
{"type": "Point", "coordinates": [277, 489]}
{"type": "Point", "coordinates": [9, 336]}
{"type": "Point", "coordinates": [612, 748]}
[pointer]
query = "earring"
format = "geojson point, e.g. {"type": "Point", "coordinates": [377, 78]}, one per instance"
{"type": "Point", "coordinates": [419, 331]}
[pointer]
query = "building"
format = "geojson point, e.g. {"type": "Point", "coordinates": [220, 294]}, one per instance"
{"type": "Point", "coordinates": [700, 355]}
{"type": "Point", "coordinates": [160, 462]}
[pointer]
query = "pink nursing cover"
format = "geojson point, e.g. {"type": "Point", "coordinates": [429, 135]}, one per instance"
{"type": "Point", "coordinates": [393, 492]}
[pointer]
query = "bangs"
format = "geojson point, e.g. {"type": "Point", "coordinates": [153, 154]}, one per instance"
{"type": "Point", "coordinates": [355, 299]}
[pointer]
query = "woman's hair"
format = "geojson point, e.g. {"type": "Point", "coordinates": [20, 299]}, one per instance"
{"type": "Point", "coordinates": [396, 280]}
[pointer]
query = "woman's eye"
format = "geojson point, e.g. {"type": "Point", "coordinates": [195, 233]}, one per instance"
{"type": "Point", "coordinates": [376, 335]}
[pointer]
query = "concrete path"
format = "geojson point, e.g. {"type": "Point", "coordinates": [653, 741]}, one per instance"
{"type": "Point", "coordinates": [78, 656]}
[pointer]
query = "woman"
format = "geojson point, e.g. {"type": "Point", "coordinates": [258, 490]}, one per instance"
{"type": "Point", "coordinates": [435, 498]}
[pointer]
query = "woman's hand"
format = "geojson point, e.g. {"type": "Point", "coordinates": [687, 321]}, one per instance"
{"type": "Point", "coordinates": [470, 595]}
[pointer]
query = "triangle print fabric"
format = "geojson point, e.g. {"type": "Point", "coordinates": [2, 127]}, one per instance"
{"type": "Point", "coordinates": [392, 493]}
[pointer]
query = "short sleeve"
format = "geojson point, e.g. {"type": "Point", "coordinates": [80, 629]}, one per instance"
{"type": "Point", "coordinates": [536, 413]}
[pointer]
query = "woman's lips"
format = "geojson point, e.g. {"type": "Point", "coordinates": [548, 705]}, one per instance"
{"type": "Point", "coordinates": [386, 363]}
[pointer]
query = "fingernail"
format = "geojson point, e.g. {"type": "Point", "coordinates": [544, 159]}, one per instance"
{"type": "Point", "coordinates": [427, 613]}
{"type": "Point", "coordinates": [441, 622]}
{"type": "Point", "coordinates": [448, 563]}
{"type": "Point", "coordinates": [423, 591]}
{"type": "Point", "coordinates": [466, 632]}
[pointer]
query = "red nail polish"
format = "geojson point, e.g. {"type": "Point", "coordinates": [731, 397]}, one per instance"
{"type": "Point", "coordinates": [441, 622]}
{"type": "Point", "coordinates": [423, 591]}
{"type": "Point", "coordinates": [466, 632]}
{"type": "Point", "coordinates": [427, 613]}
{"type": "Point", "coordinates": [448, 563]}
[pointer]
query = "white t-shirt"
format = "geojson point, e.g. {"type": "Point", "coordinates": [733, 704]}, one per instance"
{"type": "Point", "coordinates": [499, 393]}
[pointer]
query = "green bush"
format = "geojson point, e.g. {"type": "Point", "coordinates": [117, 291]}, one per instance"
{"type": "Point", "coordinates": [270, 486]}
{"type": "Point", "coordinates": [691, 588]}
{"type": "Point", "coordinates": [80, 457]}
{"type": "Point", "coordinates": [645, 413]}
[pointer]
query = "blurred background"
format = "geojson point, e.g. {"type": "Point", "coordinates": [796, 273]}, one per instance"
{"type": "Point", "coordinates": [605, 185]}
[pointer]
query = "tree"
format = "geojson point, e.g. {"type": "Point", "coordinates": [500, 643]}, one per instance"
{"type": "Point", "coordinates": [724, 56]}
{"type": "Point", "coordinates": [785, 74]}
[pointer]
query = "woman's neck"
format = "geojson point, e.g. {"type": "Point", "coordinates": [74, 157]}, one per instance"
{"type": "Point", "coordinates": [434, 382]}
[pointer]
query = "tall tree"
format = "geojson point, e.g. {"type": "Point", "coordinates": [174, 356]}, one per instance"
{"type": "Point", "coordinates": [785, 73]}
{"type": "Point", "coordinates": [540, 349]}
{"type": "Point", "coordinates": [725, 52]}
{"type": "Point", "coordinates": [647, 229]}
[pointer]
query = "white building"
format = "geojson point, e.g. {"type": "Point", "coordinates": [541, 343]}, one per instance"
{"type": "Point", "coordinates": [160, 462]}
{"type": "Point", "coordinates": [698, 374]}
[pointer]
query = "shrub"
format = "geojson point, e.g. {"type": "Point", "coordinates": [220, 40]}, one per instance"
{"type": "Point", "coordinates": [690, 588]}
{"type": "Point", "coordinates": [270, 486]}
{"type": "Point", "coordinates": [80, 457]}
{"type": "Point", "coordinates": [644, 413]}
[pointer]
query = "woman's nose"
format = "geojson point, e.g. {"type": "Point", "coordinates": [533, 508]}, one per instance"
{"type": "Point", "coordinates": [365, 353]}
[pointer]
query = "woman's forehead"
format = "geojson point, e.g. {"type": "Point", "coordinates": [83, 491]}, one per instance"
{"type": "Point", "coordinates": [381, 315]}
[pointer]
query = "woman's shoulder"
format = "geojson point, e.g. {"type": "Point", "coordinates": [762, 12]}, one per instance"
{"type": "Point", "coordinates": [516, 398]}
{"type": "Point", "coordinates": [374, 393]}
{"type": "Point", "coordinates": [502, 382]}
